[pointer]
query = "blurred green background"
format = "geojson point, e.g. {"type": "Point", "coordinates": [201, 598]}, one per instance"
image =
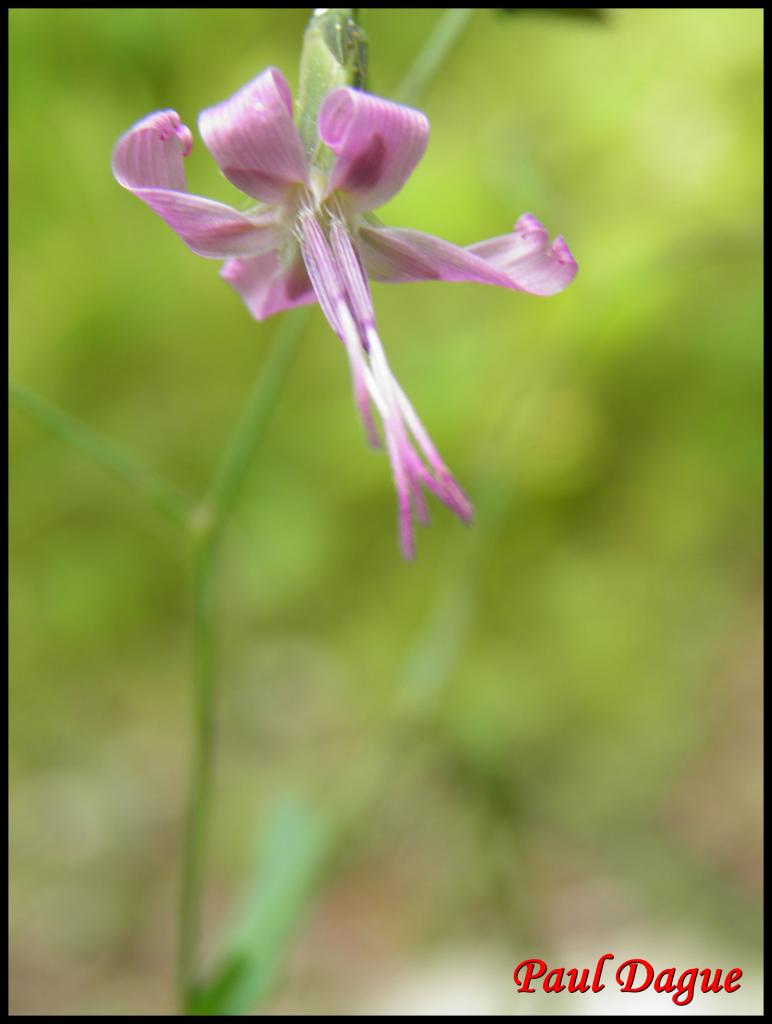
{"type": "Point", "coordinates": [574, 766]}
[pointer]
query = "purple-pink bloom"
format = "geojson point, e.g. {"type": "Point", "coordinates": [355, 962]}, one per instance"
{"type": "Point", "coordinates": [312, 238]}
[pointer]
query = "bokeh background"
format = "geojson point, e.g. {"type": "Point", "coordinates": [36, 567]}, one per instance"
{"type": "Point", "coordinates": [556, 712]}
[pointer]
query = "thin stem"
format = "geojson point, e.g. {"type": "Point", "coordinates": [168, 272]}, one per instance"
{"type": "Point", "coordinates": [239, 451]}
{"type": "Point", "coordinates": [446, 31]}
{"type": "Point", "coordinates": [202, 756]}
{"type": "Point", "coordinates": [222, 495]}
{"type": "Point", "coordinates": [121, 463]}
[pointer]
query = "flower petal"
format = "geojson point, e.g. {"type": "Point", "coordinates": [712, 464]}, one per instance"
{"type": "Point", "coordinates": [523, 260]}
{"type": "Point", "coordinates": [377, 145]}
{"type": "Point", "coordinates": [147, 161]}
{"type": "Point", "coordinates": [254, 140]}
{"type": "Point", "coordinates": [267, 286]}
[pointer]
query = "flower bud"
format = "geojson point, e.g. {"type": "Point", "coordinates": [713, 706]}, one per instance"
{"type": "Point", "coordinates": [334, 55]}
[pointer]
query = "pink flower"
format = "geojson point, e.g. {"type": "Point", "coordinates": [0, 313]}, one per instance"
{"type": "Point", "coordinates": [311, 238]}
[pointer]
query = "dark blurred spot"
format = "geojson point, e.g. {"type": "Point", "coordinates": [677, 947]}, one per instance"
{"type": "Point", "coordinates": [596, 14]}
{"type": "Point", "coordinates": [296, 283]}
{"type": "Point", "coordinates": [251, 181]}
{"type": "Point", "coordinates": [365, 171]}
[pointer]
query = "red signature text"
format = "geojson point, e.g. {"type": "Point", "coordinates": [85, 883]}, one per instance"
{"type": "Point", "coordinates": [635, 975]}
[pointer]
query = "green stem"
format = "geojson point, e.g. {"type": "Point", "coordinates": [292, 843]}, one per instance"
{"type": "Point", "coordinates": [446, 31]}
{"type": "Point", "coordinates": [222, 495]}
{"type": "Point", "coordinates": [200, 783]}
{"type": "Point", "coordinates": [121, 463]}
{"type": "Point", "coordinates": [239, 451]}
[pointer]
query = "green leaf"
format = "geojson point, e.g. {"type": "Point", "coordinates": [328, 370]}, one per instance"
{"type": "Point", "coordinates": [123, 464]}
{"type": "Point", "coordinates": [292, 850]}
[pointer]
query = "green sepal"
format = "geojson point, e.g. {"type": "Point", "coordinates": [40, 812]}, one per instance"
{"type": "Point", "coordinates": [334, 55]}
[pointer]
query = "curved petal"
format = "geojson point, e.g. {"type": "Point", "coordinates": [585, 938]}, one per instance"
{"type": "Point", "coordinates": [267, 286]}
{"type": "Point", "coordinates": [147, 161]}
{"type": "Point", "coordinates": [149, 154]}
{"type": "Point", "coordinates": [523, 260]}
{"type": "Point", "coordinates": [377, 145]}
{"type": "Point", "coordinates": [254, 140]}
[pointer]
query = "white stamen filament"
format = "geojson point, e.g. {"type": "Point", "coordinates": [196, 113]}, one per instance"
{"type": "Point", "coordinates": [342, 288]}
{"type": "Point", "coordinates": [353, 343]}
{"type": "Point", "coordinates": [417, 429]}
